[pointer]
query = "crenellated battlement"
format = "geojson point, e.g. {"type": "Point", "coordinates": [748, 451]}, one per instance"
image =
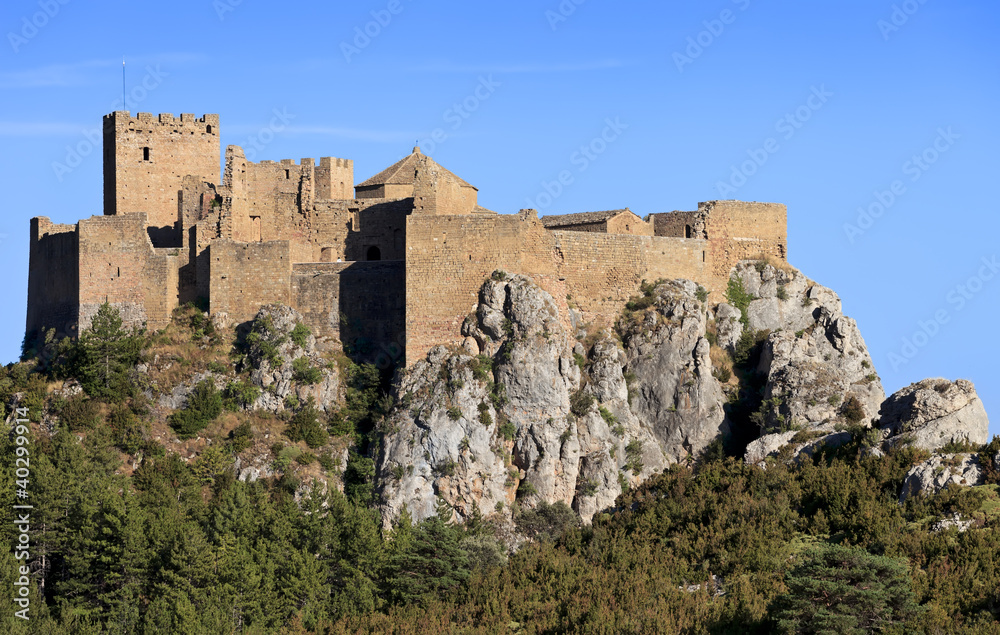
{"type": "Point", "coordinates": [122, 120]}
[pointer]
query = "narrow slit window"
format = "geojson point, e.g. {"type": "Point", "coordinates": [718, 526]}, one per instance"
{"type": "Point", "coordinates": [145, 154]}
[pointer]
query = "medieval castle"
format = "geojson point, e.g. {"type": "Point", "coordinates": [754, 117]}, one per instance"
{"type": "Point", "coordinates": [390, 271]}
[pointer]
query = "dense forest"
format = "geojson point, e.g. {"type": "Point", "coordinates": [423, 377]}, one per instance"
{"type": "Point", "coordinates": [129, 534]}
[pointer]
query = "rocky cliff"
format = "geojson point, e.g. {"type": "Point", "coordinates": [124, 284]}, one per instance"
{"type": "Point", "coordinates": [529, 410]}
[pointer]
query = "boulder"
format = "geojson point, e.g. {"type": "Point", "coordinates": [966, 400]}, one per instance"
{"type": "Point", "coordinates": [933, 413]}
{"type": "Point", "coordinates": [940, 471]}
{"type": "Point", "coordinates": [818, 369]}
{"type": "Point", "coordinates": [539, 417]}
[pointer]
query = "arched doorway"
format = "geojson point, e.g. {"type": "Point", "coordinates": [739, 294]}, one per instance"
{"type": "Point", "coordinates": [374, 253]}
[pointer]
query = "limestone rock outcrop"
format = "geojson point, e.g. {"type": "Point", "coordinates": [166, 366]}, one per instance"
{"type": "Point", "coordinates": [273, 346]}
{"type": "Point", "coordinates": [934, 412]}
{"type": "Point", "coordinates": [538, 417]}
{"type": "Point", "coordinates": [817, 367]}
{"type": "Point", "coordinates": [675, 395]}
{"type": "Point", "coordinates": [940, 471]}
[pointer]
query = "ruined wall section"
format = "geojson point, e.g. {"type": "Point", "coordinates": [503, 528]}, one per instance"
{"type": "Point", "coordinates": [602, 271]}
{"type": "Point", "coordinates": [53, 279]}
{"type": "Point", "coordinates": [743, 231]}
{"type": "Point", "coordinates": [679, 224]}
{"type": "Point", "coordinates": [118, 265]}
{"type": "Point", "coordinates": [334, 179]}
{"type": "Point", "coordinates": [287, 201]}
{"type": "Point", "coordinates": [146, 159]}
{"type": "Point", "coordinates": [361, 304]}
{"type": "Point", "coordinates": [245, 276]}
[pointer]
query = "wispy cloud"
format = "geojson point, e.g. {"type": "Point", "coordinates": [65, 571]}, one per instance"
{"type": "Point", "coordinates": [85, 72]}
{"type": "Point", "coordinates": [39, 129]}
{"type": "Point", "coordinates": [451, 67]}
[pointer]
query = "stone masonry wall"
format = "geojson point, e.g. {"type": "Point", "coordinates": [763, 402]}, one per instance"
{"type": "Point", "coordinates": [629, 224]}
{"type": "Point", "coordinates": [53, 279]}
{"type": "Point", "coordinates": [449, 257]}
{"type": "Point", "coordinates": [146, 159]}
{"type": "Point", "coordinates": [245, 276]}
{"type": "Point", "coordinates": [362, 304]}
{"type": "Point", "coordinates": [676, 224]}
{"type": "Point", "coordinates": [602, 271]}
{"type": "Point", "coordinates": [743, 231]}
{"type": "Point", "coordinates": [118, 264]}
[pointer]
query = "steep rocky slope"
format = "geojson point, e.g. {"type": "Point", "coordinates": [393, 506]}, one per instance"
{"type": "Point", "coordinates": [527, 410]}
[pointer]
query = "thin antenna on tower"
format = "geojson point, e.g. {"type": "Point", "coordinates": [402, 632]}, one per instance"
{"type": "Point", "coordinates": [123, 81]}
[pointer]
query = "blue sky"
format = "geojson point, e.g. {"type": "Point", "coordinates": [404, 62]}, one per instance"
{"type": "Point", "coordinates": [828, 107]}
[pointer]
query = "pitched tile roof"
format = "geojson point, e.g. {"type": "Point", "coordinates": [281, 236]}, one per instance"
{"type": "Point", "coordinates": [585, 218]}
{"type": "Point", "coordinates": [402, 172]}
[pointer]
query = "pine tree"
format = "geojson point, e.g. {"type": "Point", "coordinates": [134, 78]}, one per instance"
{"type": "Point", "coordinates": [106, 354]}
{"type": "Point", "coordinates": [434, 563]}
{"type": "Point", "coordinates": [845, 590]}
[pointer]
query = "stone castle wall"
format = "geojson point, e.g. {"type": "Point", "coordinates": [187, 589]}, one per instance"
{"type": "Point", "coordinates": [743, 231]}
{"type": "Point", "coordinates": [378, 273]}
{"type": "Point", "coordinates": [361, 304]}
{"type": "Point", "coordinates": [146, 159]}
{"type": "Point", "coordinates": [53, 279]}
{"type": "Point", "coordinates": [448, 257]}
{"type": "Point", "coordinates": [119, 265]}
{"type": "Point", "coordinates": [245, 276]}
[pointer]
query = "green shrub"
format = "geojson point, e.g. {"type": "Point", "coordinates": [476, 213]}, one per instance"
{"type": "Point", "coordinates": [240, 394]}
{"type": "Point", "coordinates": [607, 415]}
{"type": "Point", "coordinates": [701, 294]}
{"type": "Point", "coordinates": [737, 296]}
{"type": "Point", "coordinates": [454, 413]}
{"type": "Point", "coordinates": [241, 437]}
{"type": "Point", "coordinates": [304, 372]}
{"type": "Point", "coordinates": [747, 347]}
{"type": "Point", "coordinates": [203, 406]}
{"type": "Point", "coordinates": [581, 402]}
{"type": "Point", "coordinates": [853, 410]}
{"type": "Point", "coordinates": [547, 523]}
{"type": "Point", "coordinates": [218, 367]}
{"type": "Point", "coordinates": [782, 292]}
{"type": "Point", "coordinates": [446, 468]}
{"type": "Point", "coordinates": [508, 430]}
{"type": "Point", "coordinates": [305, 426]}
{"type": "Point", "coordinates": [305, 458]}
{"type": "Point", "coordinates": [80, 413]}
{"type": "Point", "coordinates": [328, 462]}
{"type": "Point", "coordinates": [580, 360]}
{"type": "Point", "coordinates": [128, 431]}
{"type": "Point", "coordinates": [633, 456]}
{"type": "Point", "coordinates": [300, 334]}
{"type": "Point", "coordinates": [482, 367]}
{"type": "Point", "coordinates": [484, 414]}
{"type": "Point", "coordinates": [723, 374]}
